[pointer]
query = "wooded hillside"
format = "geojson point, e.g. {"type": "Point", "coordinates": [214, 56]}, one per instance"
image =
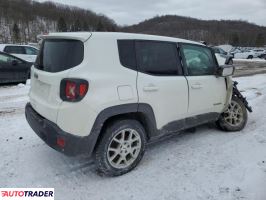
{"type": "Point", "coordinates": [23, 20]}
{"type": "Point", "coordinates": [236, 33]}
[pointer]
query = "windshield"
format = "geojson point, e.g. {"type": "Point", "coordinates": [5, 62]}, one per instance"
{"type": "Point", "coordinates": [223, 51]}
{"type": "Point", "coordinates": [60, 54]}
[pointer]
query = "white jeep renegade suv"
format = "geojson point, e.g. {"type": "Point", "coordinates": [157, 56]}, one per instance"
{"type": "Point", "coordinates": [109, 94]}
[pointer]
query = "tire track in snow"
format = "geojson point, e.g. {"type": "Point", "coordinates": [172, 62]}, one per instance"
{"type": "Point", "coordinates": [13, 99]}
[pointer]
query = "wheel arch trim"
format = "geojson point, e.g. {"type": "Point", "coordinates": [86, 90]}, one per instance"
{"type": "Point", "coordinates": [142, 109]}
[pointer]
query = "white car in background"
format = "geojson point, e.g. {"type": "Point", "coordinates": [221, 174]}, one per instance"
{"type": "Point", "coordinates": [259, 52]}
{"type": "Point", "coordinates": [222, 56]}
{"type": "Point", "coordinates": [221, 60]}
{"type": "Point", "coordinates": [249, 54]}
{"type": "Point", "coordinates": [25, 52]}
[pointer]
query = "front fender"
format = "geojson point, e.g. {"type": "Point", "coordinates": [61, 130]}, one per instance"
{"type": "Point", "coordinates": [229, 93]}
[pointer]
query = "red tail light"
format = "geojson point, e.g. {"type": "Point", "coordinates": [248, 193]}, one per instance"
{"type": "Point", "coordinates": [73, 90]}
{"type": "Point", "coordinates": [70, 90]}
{"type": "Point", "coordinates": [61, 142]}
{"type": "Point", "coordinates": [83, 88]}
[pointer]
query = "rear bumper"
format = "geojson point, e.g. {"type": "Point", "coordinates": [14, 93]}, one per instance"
{"type": "Point", "coordinates": [49, 132]}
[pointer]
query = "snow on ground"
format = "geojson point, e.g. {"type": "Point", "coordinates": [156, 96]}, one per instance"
{"type": "Point", "coordinates": [208, 164]}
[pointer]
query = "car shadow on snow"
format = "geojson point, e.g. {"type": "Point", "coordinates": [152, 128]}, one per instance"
{"type": "Point", "coordinates": [84, 164]}
{"type": "Point", "coordinates": [188, 134]}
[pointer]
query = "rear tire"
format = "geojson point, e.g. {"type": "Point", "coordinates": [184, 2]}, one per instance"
{"type": "Point", "coordinates": [121, 148]}
{"type": "Point", "coordinates": [235, 117]}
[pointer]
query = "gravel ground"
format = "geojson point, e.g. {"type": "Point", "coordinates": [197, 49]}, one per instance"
{"type": "Point", "coordinates": [246, 67]}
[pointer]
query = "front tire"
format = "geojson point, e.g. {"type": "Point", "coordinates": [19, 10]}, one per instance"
{"type": "Point", "coordinates": [235, 117]}
{"type": "Point", "coordinates": [121, 148]}
{"type": "Point", "coordinates": [250, 57]}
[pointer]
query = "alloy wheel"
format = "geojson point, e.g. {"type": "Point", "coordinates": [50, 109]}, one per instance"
{"type": "Point", "coordinates": [234, 114]}
{"type": "Point", "coordinates": [124, 148]}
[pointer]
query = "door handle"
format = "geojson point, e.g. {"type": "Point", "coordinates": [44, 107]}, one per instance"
{"type": "Point", "coordinates": [150, 88]}
{"type": "Point", "coordinates": [196, 86]}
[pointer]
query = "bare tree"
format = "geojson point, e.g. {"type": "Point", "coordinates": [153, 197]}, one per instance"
{"type": "Point", "coordinates": [16, 33]}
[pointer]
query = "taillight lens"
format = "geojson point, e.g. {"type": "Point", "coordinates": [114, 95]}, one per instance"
{"type": "Point", "coordinates": [73, 90]}
{"type": "Point", "coordinates": [61, 142]}
{"type": "Point", "coordinates": [83, 88]}
{"type": "Point", "coordinates": [70, 90]}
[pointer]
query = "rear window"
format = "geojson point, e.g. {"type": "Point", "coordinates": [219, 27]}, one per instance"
{"type": "Point", "coordinates": [60, 54]}
{"type": "Point", "coordinates": [14, 49]}
{"type": "Point", "coordinates": [127, 53]}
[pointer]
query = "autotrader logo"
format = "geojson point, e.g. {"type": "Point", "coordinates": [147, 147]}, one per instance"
{"type": "Point", "coordinates": [26, 193]}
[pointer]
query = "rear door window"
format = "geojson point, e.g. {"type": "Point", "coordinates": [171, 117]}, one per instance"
{"type": "Point", "coordinates": [60, 54]}
{"type": "Point", "coordinates": [14, 50]}
{"type": "Point", "coordinates": [158, 58]}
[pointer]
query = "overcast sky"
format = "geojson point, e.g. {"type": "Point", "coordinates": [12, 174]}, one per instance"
{"type": "Point", "coordinates": [127, 12]}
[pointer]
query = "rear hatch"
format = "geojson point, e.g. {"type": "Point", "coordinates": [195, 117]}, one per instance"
{"type": "Point", "coordinates": [57, 57]}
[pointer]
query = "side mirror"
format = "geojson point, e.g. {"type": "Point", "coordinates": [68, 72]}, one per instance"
{"type": "Point", "coordinates": [225, 70]}
{"type": "Point", "coordinates": [14, 62]}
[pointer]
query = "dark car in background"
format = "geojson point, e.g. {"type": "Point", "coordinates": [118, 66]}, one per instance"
{"type": "Point", "coordinates": [13, 69]}
{"type": "Point", "coordinates": [25, 52]}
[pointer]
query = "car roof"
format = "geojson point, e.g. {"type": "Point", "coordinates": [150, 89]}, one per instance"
{"type": "Point", "coordinates": [84, 36]}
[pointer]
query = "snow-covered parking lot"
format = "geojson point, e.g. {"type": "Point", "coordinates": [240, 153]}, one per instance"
{"type": "Point", "coordinates": [208, 164]}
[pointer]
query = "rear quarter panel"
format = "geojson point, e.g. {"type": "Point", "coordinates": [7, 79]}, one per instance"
{"type": "Point", "coordinates": [102, 69]}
